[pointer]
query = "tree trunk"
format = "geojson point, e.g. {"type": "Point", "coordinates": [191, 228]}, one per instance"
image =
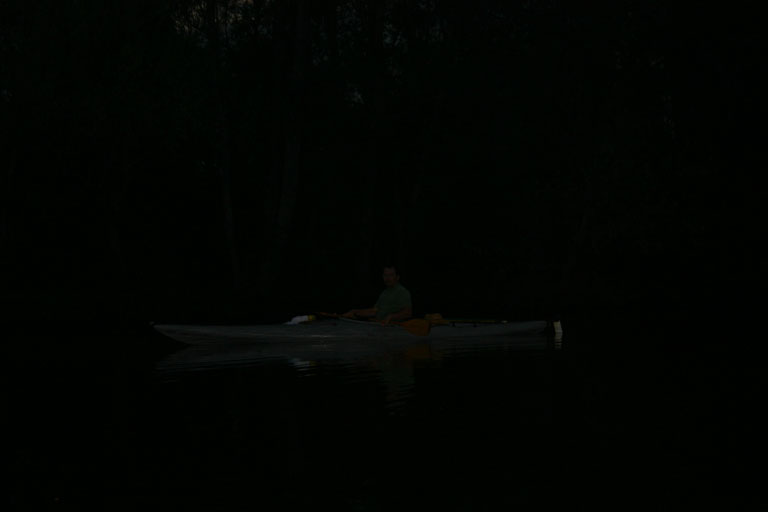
{"type": "Point", "coordinates": [331, 20]}
{"type": "Point", "coordinates": [289, 149]}
{"type": "Point", "coordinates": [223, 157]}
{"type": "Point", "coordinates": [369, 249]}
{"type": "Point", "coordinates": [5, 219]}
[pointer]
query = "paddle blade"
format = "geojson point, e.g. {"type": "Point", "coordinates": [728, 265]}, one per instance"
{"type": "Point", "coordinates": [416, 326]}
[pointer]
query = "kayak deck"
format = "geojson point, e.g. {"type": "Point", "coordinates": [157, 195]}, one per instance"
{"type": "Point", "coordinates": [212, 347]}
{"type": "Point", "coordinates": [340, 329]}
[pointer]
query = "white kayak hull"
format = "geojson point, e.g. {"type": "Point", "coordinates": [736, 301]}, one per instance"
{"type": "Point", "coordinates": [330, 330]}
{"type": "Point", "coordinates": [213, 347]}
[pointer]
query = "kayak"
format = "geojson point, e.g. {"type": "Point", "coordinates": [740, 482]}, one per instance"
{"type": "Point", "coordinates": [211, 347]}
{"type": "Point", "coordinates": [343, 329]}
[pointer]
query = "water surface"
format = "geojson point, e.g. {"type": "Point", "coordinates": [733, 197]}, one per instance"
{"type": "Point", "coordinates": [359, 426]}
{"type": "Point", "coordinates": [466, 425]}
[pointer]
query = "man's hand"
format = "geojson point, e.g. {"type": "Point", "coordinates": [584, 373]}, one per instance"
{"type": "Point", "coordinates": [387, 319]}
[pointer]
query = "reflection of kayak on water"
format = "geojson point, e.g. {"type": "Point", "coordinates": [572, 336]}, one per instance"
{"type": "Point", "coordinates": [220, 346]}
{"type": "Point", "coordinates": [345, 329]}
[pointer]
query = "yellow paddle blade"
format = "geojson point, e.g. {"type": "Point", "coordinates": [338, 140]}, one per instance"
{"type": "Point", "coordinates": [436, 319]}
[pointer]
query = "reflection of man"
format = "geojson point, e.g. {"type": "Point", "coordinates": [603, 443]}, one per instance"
{"type": "Point", "coordinates": [394, 303]}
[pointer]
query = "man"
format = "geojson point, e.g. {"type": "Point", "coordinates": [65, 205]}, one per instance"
{"type": "Point", "coordinates": [394, 304]}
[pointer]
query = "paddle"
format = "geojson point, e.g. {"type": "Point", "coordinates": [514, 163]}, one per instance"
{"type": "Point", "coordinates": [415, 326]}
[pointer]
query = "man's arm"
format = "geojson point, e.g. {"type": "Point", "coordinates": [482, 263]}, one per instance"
{"type": "Point", "coordinates": [403, 314]}
{"type": "Point", "coordinates": [363, 313]}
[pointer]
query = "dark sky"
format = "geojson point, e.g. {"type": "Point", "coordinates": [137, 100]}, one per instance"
{"type": "Point", "coordinates": [209, 160]}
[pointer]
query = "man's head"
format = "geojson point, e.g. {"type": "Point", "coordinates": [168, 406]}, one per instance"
{"type": "Point", "coordinates": [390, 276]}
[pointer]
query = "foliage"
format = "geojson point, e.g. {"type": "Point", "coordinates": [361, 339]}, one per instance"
{"type": "Point", "coordinates": [516, 157]}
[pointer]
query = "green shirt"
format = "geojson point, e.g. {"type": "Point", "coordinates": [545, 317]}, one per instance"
{"type": "Point", "coordinates": [392, 300]}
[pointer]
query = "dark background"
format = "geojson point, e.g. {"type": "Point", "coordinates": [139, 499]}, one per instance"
{"type": "Point", "coordinates": [223, 161]}
{"type": "Point", "coordinates": [247, 161]}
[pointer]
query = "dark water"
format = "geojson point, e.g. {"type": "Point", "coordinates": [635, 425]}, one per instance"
{"type": "Point", "coordinates": [466, 427]}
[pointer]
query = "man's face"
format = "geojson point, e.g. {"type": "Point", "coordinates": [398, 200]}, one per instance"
{"type": "Point", "coordinates": [390, 277]}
